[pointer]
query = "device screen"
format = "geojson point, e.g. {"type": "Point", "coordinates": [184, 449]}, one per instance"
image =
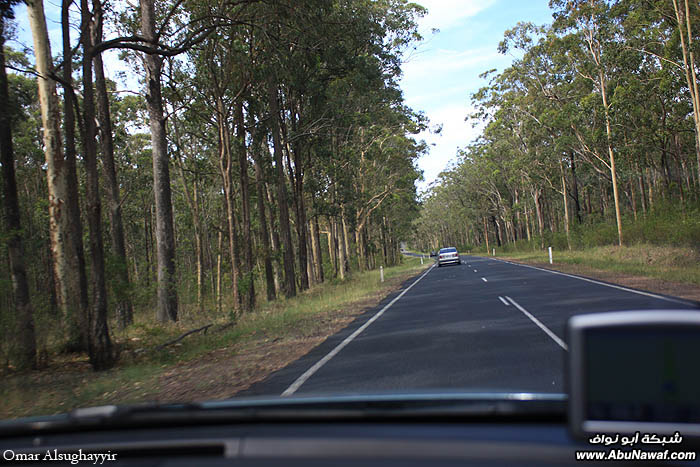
{"type": "Point", "coordinates": [642, 374]}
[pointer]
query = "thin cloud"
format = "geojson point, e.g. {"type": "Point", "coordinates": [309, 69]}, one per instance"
{"type": "Point", "coordinates": [441, 94]}
{"type": "Point", "coordinates": [444, 61]}
{"type": "Point", "coordinates": [446, 14]}
{"type": "Point", "coordinates": [456, 133]}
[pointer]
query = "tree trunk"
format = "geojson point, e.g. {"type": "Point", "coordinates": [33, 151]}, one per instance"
{"type": "Point", "coordinates": [220, 244]}
{"type": "Point", "coordinates": [78, 321]}
{"type": "Point", "coordinates": [316, 250]}
{"type": "Point", "coordinates": [264, 233]}
{"type": "Point", "coordinates": [210, 264]}
{"type": "Point", "coordinates": [296, 180]}
{"type": "Point", "coordinates": [499, 234]}
{"type": "Point", "coordinates": [331, 251]}
{"type": "Point", "coordinates": [248, 298]}
{"type": "Point", "coordinates": [333, 247]}
{"type": "Point", "coordinates": [290, 288]}
{"type": "Point", "coordinates": [310, 266]}
{"type": "Point", "coordinates": [574, 187]}
{"type": "Point", "coordinates": [527, 221]}
{"type": "Point", "coordinates": [538, 211]}
{"type": "Point", "coordinates": [67, 278]}
{"type": "Point", "coordinates": [192, 199]}
{"type": "Point", "coordinates": [346, 237]}
{"type": "Point", "coordinates": [15, 251]}
{"type": "Point", "coordinates": [685, 175]}
{"type": "Point", "coordinates": [486, 236]}
{"type": "Point", "coordinates": [566, 205]}
{"type": "Point", "coordinates": [633, 199]}
{"type": "Point", "coordinates": [275, 239]}
{"type": "Point", "coordinates": [151, 242]}
{"type": "Point", "coordinates": [198, 247]}
{"type": "Point", "coordinates": [640, 181]}
{"type": "Point", "coordinates": [613, 172]}
{"type": "Point", "coordinates": [302, 235]}
{"type": "Point", "coordinates": [101, 352]}
{"type": "Point", "coordinates": [682, 11]}
{"type": "Point", "coordinates": [650, 188]}
{"type": "Point", "coordinates": [361, 264]}
{"type": "Point", "coordinates": [510, 227]}
{"type": "Point", "coordinates": [49, 281]}
{"type": "Point", "coordinates": [518, 228]}
{"type": "Point", "coordinates": [225, 165]}
{"type": "Point", "coordinates": [123, 302]}
{"type": "Point", "coordinates": [342, 257]}
{"type": "Point", "coordinates": [146, 215]}
{"type": "Point", "coordinates": [165, 231]}
{"type": "Point", "coordinates": [548, 209]}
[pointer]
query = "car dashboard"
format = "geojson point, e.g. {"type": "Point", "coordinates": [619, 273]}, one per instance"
{"type": "Point", "coordinates": [431, 440]}
{"type": "Point", "coordinates": [513, 430]}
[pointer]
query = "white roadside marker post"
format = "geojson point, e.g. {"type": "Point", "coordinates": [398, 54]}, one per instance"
{"type": "Point", "coordinates": [494, 252]}
{"type": "Point", "coordinates": [381, 273]}
{"type": "Point", "coordinates": [421, 259]}
{"type": "Point", "coordinates": [550, 255]}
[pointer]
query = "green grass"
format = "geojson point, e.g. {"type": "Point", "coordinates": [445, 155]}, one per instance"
{"type": "Point", "coordinates": [678, 264]}
{"type": "Point", "coordinates": [668, 225]}
{"type": "Point", "coordinates": [661, 244]}
{"type": "Point", "coordinates": [69, 383]}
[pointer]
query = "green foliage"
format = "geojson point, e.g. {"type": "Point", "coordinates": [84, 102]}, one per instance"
{"type": "Point", "coordinates": [667, 225]}
{"type": "Point", "coordinates": [545, 125]}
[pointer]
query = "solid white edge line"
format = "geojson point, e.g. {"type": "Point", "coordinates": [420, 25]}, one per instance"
{"type": "Point", "coordinates": [317, 366]}
{"type": "Point", "coordinates": [503, 300]}
{"type": "Point", "coordinates": [549, 332]}
{"type": "Point", "coordinates": [484, 279]}
{"type": "Point", "coordinates": [619, 287]}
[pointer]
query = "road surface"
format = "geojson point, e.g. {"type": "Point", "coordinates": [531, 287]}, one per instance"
{"type": "Point", "coordinates": [482, 325]}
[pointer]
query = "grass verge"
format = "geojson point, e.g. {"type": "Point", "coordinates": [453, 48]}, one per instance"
{"type": "Point", "coordinates": [671, 270]}
{"type": "Point", "coordinates": [206, 366]}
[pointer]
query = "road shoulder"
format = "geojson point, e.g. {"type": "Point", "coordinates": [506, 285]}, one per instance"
{"type": "Point", "coordinates": [649, 284]}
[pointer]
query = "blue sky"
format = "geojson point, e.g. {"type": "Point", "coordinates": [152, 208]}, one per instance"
{"type": "Point", "coordinates": [438, 78]}
{"type": "Point", "coordinates": [441, 75]}
{"type": "Point", "coordinates": [52, 11]}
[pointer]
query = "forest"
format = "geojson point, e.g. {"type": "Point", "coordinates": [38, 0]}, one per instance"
{"type": "Point", "coordinates": [591, 137]}
{"type": "Point", "coordinates": [267, 149]}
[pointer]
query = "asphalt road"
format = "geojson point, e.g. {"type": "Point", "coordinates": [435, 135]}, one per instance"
{"type": "Point", "coordinates": [482, 325]}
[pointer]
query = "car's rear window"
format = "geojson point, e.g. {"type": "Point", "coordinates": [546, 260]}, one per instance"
{"type": "Point", "coordinates": [448, 250]}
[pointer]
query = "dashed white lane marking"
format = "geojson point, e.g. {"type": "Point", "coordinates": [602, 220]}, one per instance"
{"type": "Point", "coordinates": [639, 292]}
{"type": "Point", "coordinates": [317, 366]}
{"type": "Point", "coordinates": [484, 279]}
{"type": "Point", "coordinates": [504, 301]}
{"type": "Point", "coordinates": [474, 270]}
{"type": "Point", "coordinates": [548, 331]}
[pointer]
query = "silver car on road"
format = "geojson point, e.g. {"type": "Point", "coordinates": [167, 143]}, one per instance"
{"type": "Point", "coordinates": [448, 256]}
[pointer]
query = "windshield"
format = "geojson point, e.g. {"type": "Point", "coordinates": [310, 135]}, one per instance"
{"type": "Point", "coordinates": [206, 200]}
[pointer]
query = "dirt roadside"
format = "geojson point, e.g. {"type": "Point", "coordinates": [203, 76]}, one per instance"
{"type": "Point", "coordinates": [649, 284]}
{"type": "Point", "coordinates": [69, 383]}
{"type": "Point", "coordinates": [222, 373]}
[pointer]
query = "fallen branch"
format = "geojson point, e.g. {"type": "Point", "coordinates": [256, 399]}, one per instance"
{"type": "Point", "coordinates": [225, 326]}
{"type": "Point", "coordinates": [178, 339]}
